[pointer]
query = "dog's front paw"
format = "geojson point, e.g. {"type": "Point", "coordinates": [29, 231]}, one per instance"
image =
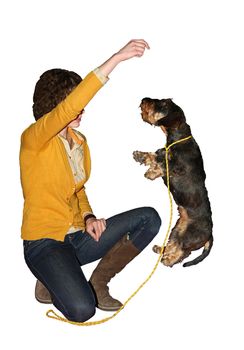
{"type": "Point", "coordinates": [154, 172]}
{"type": "Point", "coordinates": [150, 174]}
{"type": "Point", "coordinates": [140, 156]}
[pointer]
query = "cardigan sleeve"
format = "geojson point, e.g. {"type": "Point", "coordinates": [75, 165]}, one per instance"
{"type": "Point", "coordinates": [45, 128]}
{"type": "Point", "coordinates": [84, 203]}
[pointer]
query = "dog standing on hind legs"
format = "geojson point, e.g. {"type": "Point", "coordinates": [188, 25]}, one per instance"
{"type": "Point", "coordinates": [193, 229]}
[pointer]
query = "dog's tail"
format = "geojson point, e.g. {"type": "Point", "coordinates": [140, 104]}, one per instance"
{"type": "Point", "coordinates": [207, 247]}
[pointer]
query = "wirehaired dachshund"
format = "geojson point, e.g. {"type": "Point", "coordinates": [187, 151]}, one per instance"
{"type": "Point", "coordinates": [193, 229]}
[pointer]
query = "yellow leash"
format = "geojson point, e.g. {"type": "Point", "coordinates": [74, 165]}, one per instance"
{"type": "Point", "coordinates": [52, 314]}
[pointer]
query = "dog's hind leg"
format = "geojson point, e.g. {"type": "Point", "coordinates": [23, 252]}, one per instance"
{"type": "Point", "coordinates": [175, 252]}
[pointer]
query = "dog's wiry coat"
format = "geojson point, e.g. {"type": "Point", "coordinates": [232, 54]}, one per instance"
{"type": "Point", "coordinates": [193, 229]}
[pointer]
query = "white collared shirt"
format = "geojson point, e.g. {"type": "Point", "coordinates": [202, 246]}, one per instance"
{"type": "Point", "coordinates": [75, 158]}
{"type": "Point", "coordinates": [75, 154]}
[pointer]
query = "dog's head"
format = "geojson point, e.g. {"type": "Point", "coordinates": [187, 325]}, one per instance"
{"type": "Point", "coordinates": [163, 113]}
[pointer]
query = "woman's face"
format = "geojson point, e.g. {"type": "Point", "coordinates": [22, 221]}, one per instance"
{"type": "Point", "coordinates": [76, 122]}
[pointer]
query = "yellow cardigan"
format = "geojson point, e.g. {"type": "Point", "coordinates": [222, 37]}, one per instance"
{"type": "Point", "coordinates": [52, 200]}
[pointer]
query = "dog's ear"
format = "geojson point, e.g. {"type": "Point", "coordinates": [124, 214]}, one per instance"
{"type": "Point", "coordinates": [165, 121]}
{"type": "Point", "coordinates": [174, 118]}
{"type": "Point", "coordinates": [171, 120]}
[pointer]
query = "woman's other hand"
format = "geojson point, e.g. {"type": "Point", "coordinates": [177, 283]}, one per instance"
{"type": "Point", "coordinates": [95, 227]}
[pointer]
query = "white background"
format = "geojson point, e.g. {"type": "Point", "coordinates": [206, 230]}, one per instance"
{"type": "Point", "coordinates": [196, 58]}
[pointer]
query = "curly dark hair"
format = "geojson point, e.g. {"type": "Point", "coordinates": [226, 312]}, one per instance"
{"type": "Point", "coordinates": [52, 88]}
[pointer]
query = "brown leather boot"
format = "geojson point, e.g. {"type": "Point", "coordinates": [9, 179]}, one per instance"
{"type": "Point", "coordinates": [42, 294]}
{"type": "Point", "coordinates": [112, 263]}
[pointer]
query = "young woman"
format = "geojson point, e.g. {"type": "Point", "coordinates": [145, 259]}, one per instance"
{"type": "Point", "coordinates": [59, 229]}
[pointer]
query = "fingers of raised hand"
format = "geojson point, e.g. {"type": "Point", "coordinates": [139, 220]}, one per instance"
{"type": "Point", "coordinates": [137, 47]}
{"type": "Point", "coordinates": [139, 43]}
{"type": "Point", "coordinates": [134, 48]}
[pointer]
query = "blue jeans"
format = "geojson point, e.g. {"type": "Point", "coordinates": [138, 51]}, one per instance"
{"type": "Point", "coordinates": [58, 264]}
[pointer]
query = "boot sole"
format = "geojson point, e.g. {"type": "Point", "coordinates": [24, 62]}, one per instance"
{"type": "Point", "coordinates": [43, 301]}
{"type": "Point", "coordinates": [105, 308]}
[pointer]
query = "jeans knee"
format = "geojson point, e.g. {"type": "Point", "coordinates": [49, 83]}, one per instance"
{"type": "Point", "coordinates": [80, 312]}
{"type": "Point", "coordinates": [154, 218]}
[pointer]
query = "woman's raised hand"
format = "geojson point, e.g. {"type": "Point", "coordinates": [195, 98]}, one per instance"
{"type": "Point", "coordinates": [134, 48]}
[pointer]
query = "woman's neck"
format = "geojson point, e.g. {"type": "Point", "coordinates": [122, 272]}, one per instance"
{"type": "Point", "coordinates": [64, 132]}
{"type": "Point", "coordinates": [67, 136]}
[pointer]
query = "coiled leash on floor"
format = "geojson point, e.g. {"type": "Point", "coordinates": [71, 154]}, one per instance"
{"type": "Point", "coordinates": [52, 314]}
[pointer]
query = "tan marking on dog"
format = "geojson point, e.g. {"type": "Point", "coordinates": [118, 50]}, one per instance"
{"type": "Point", "coordinates": [207, 245]}
{"type": "Point", "coordinates": [172, 254]}
{"type": "Point", "coordinates": [158, 116]}
{"type": "Point", "coordinates": [145, 158]}
{"type": "Point", "coordinates": [164, 129]}
{"type": "Point", "coordinates": [150, 158]}
{"type": "Point", "coordinates": [152, 118]}
{"type": "Point", "coordinates": [148, 115]}
{"type": "Point", "coordinates": [183, 221]}
{"type": "Point", "coordinates": [154, 171]}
